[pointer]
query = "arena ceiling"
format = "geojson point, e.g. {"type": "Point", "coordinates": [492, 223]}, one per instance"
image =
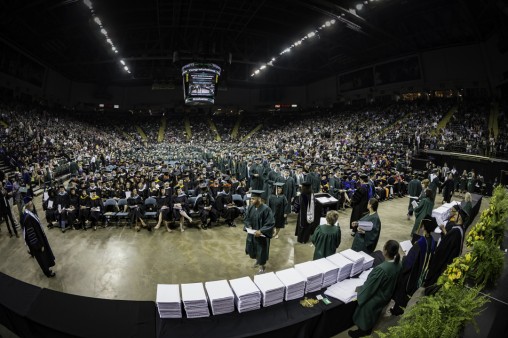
{"type": "Point", "coordinates": [156, 37]}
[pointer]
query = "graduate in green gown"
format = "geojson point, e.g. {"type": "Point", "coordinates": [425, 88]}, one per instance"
{"type": "Point", "coordinates": [424, 208]}
{"type": "Point", "coordinates": [326, 237]}
{"type": "Point", "coordinates": [258, 217]}
{"type": "Point", "coordinates": [278, 203]}
{"type": "Point", "coordinates": [377, 291]}
{"type": "Point", "coordinates": [366, 241]}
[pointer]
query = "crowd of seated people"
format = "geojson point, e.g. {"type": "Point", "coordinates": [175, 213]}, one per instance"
{"type": "Point", "coordinates": [108, 162]}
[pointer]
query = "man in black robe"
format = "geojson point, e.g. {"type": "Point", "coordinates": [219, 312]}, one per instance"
{"type": "Point", "coordinates": [257, 175]}
{"type": "Point", "coordinates": [359, 202]}
{"type": "Point", "coordinates": [305, 221]}
{"type": "Point", "coordinates": [314, 178]}
{"type": "Point", "coordinates": [36, 240]}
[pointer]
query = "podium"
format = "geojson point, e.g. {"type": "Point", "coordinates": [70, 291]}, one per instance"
{"type": "Point", "coordinates": [323, 202]}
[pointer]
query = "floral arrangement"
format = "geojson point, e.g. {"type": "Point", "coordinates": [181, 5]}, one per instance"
{"type": "Point", "coordinates": [456, 272]}
{"type": "Point", "coordinates": [454, 304]}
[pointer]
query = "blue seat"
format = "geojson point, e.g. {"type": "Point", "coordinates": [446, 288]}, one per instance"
{"type": "Point", "coordinates": [150, 208]}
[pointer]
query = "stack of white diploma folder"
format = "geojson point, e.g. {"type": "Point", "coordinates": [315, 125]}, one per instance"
{"type": "Point", "coordinates": [329, 270]}
{"type": "Point", "coordinates": [294, 283]}
{"type": "Point", "coordinates": [344, 265]}
{"type": "Point", "coordinates": [357, 260]}
{"type": "Point", "coordinates": [247, 294]}
{"type": "Point", "coordinates": [194, 300]}
{"type": "Point", "coordinates": [271, 288]}
{"type": "Point", "coordinates": [312, 273]}
{"type": "Point", "coordinates": [220, 296]}
{"type": "Point", "coordinates": [168, 301]}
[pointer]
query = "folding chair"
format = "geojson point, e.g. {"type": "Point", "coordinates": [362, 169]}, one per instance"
{"type": "Point", "coordinates": [111, 209]}
{"type": "Point", "coordinates": [122, 214]}
{"type": "Point", "coordinates": [150, 208]}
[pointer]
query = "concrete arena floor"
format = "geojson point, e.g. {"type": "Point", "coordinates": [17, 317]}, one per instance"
{"type": "Point", "coordinates": [120, 263]}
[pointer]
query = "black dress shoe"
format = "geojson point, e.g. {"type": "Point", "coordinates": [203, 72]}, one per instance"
{"type": "Point", "coordinates": [358, 333]}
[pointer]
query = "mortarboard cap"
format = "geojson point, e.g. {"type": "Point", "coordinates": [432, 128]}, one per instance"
{"type": "Point", "coordinates": [27, 199]}
{"type": "Point", "coordinates": [279, 184]}
{"type": "Point", "coordinates": [257, 193]}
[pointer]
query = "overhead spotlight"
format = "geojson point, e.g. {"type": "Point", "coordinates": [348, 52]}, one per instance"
{"type": "Point", "coordinates": [88, 3]}
{"type": "Point", "coordinates": [273, 59]}
{"type": "Point", "coordinates": [97, 20]}
{"type": "Point", "coordinates": [109, 41]}
{"type": "Point", "coordinates": [311, 34]}
{"type": "Point", "coordinates": [251, 75]}
{"type": "Point", "coordinates": [262, 67]}
{"type": "Point", "coordinates": [103, 31]}
{"type": "Point", "coordinates": [328, 24]}
{"type": "Point", "coordinates": [256, 71]}
{"type": "Point", "coordinates": [366, 2]}
{"type": "Point", "coordinates": [116, 51]}
{"type": "Point", "coordinates": [359, 7]}
{"type": "Point", "coordinates": [113, 48]}
{"type": "Point", "coordinates": [332, 22]}
{"type": "Point", "coordinates": [122, 62]}
{"type": "Point", "coordinates": [342, 14]}
{"type": "Point", "coordinates": [126, 68]}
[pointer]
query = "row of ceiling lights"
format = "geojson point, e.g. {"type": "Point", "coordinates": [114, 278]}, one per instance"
{"type": "Point", "coordinates": [310, 35]}
{"type": "Point", "coordinates": [294, 45]}
{"type": "Point", "coordinates": [98, 21]}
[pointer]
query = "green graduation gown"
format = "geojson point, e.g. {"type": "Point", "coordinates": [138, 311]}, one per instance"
{"type": "Point", "coordinates": [260, 218]}
{"type": "Point", "coordinates": [278, 204]}
{"type": "Point", "coordinates": [423, 209]}
{"type": "Point", "coordinates": [468, 208]}
{"type": "Point", "coordinates": [375, 294]}
{"type": "Point", "coordinates": [367, 242]}
{"type": "Point", "coordinates": [326, 239]}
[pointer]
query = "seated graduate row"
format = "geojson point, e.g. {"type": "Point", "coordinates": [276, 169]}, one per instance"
{"type": "Point", "coordinates": [82, 208]}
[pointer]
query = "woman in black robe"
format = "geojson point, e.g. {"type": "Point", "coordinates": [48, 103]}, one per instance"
{"type": "Point", "coordinates": [180, 207]}
{"type": "Point", "coordinates": [135, 203]}
{"type": "Point", "coordinates": [448, 186]}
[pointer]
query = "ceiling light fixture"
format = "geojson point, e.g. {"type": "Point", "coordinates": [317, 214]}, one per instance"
{"type": "Point", "coordinates": [359, 7]}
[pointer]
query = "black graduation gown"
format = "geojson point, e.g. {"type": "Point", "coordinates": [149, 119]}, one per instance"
{"type": "Point", "coordinates": [359, 202]}
{"type": "Point", "coordinates": [449, 248]}
{"type": "Point", "coordinates": [448, 186]}
{"type": "Point", "coordinates": [278, 204]}
{"type": "Point", "coordinates": [414, 269]}
{"type": "Point", "coordinates": [37, 242]}
{"type": "Point", "coordinates": [257, 182]}
{"type": "Point", "coordinates": [315, 181]}
{"type": "Point", "coordinates": [303, 228]}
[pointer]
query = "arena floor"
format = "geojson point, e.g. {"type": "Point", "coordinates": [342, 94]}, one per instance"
{"type": "Point", "coordinates": [120, 263]}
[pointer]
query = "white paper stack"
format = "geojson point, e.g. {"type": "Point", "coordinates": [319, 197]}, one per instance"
{"type": "Point", "coordinates": [406, 246]}
{"type": "Point", "coordinates": [168, 301]}
{"type": "Point", "coordinates": [247, 295]}
{"type": "Point", "coordinates": [357, 260]}
{"type": "Point", "coordinates": [313, 274]}
{"type": "Point", "coordinates": [365, 274]}
{"type": "Point", "coordinates": [194, 300]}
{"type": "Point", "coordinates": [329, 270]}
{"type": "Point", "coordinates": [294, 283]}
{"type": "Point", "coordinates": [221, 297]}
{"type": "Point", "coordinates": [345, 291]}
{"type": "Point", "coordinates": [344, 265]}
{"type": "Point", "coordinates": [368, 260]}
{"type": "Point", "coordinates": [271, 288]}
